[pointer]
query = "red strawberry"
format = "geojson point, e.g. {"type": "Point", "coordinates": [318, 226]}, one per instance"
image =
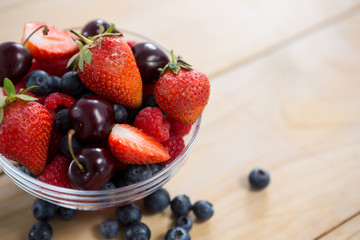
{"type": "Point", "coordinates": [56, 67]}
{"type": "Point", "coordinates": [56, 172]}
{"type": "Point", "coordinates": [52, 44]}
{"type": "Point", "coordinates": [24, 129]}
{"type": "Point", "coordinates": [107, 67]}
{"type": "Point", "coordinates": [132, 146]}
{"type": "Point", "coordinates": [181, 91]}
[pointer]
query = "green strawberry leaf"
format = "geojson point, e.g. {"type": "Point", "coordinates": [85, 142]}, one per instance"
{"type": "Point", "coordinates": [72, 59]}
{"type": "Point", "coordinates": [1, 115]}
{"type": "Point", "coordinates": [81, 62]}
{"type": "Point", "coordinates": [101, 28]}
{"type": "Point", "coordinates": [175, 65]}
{"type": "Point", "coordinates": [9, 88]}
{"type": "Point", "coordinates": [87, 56]}
{"type": "Point", "coordinates": [26, 97]}
{"type": "Point", "coordinates": [2, 101]}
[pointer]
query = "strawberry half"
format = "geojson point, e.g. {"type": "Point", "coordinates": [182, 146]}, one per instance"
{"type": "Point", "coordinates": [54, 43]}
{"type": "Point", "coordinates": [182, 92]}
{"type": "Point", "coordinates": [106, 65]}
{"type": "Point", "coordinates": [132, 146]}
{"type": "Point", "coordinates": [25, 128]}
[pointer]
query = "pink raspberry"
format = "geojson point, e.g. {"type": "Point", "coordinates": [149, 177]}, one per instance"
{"type": "Point", "coordinates": [56, 172]}
{"type": "Point", "coordinates": [174, 145]}
{"type": "Point", "coordinates": [57, 101]}
{"type": "Point", "coordinates": [131, 43]}
{"type": "Point", "coordinates": [150, 120]}
{"type": "Point", "coordinates": [177, 127]}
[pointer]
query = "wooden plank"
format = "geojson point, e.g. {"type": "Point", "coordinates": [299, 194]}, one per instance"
{"type": "Point", "coordinates": [212, 36]}
{"type": "Point", "coordinates": [349, 230]}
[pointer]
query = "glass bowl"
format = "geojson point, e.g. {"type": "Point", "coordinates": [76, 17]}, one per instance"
{"type": "Point", "coordinates": [102, 199]}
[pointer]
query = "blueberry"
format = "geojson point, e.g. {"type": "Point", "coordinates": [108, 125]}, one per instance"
{"type": "Point", "coordinates": [137, 231]}
{"type": "Point", "coordinates": [181, 205]}
{"type": "Point", "coordinates": [185, 222]}
{"type": "Point", "coordinates": [157, 201]}
{"type": "Point", "coordinates": [203, 210]}
{"type": "Point", "coordinates": [42, 82]}
{"type": "Point", "coordinates": [177, 233]}
{"type": "Point", "coordinates": [118, 179]}
{"type": "Point", "coordinates": [259, 178]}
{"type": "Point", "coordinates": [121, 113]}
{"type": "Point", "coordinates": [64, 145]}
{"type": "Point", "coordinates": [156, 167]}
{"type": "Point", "coordinates": [109, 228]}
{"type": "Point", "coordinates": [128, 214]}
{"type": "Point", "coordinates": [66, 213]}
{"type": "Point", "coordinates": [72, 85]}
{"type": "Point", "coordinates": [55, 83]}
{"type": "Point", "coordinates": [107, 186]}
{"type": "Point", "coordinates": [43, 210]}
{"type": "Point", "coordinates": [27, 171]}
{"type": "Point", "coordinates": [40, 231]}
{"type": "Point", "coordinates": [62, 121]}
{"type": "Point", "coordinates": [150, 101]}
{"type": "Point", "coordinates": [136, 172]}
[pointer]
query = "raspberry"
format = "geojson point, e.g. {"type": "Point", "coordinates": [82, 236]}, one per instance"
{"type": "Point", "coordinates": [150, 120]}
{"type": "Point", "coordinates": [56, 172]}
{"type": "Point", "coordinates": [174, 145]}
{"type": "Point", "coordinates": [178, 128]}
{"type": "Point", "coordinates": [55, 101]}
{"type": "Point", "coordinates": [131, 43]}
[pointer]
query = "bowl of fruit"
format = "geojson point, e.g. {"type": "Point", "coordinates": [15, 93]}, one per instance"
{"type": "Point", "coordinates": [97, 117]}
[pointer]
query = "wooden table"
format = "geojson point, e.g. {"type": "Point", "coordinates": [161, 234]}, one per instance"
{"type": "Point", "coordinates": [285, 96]}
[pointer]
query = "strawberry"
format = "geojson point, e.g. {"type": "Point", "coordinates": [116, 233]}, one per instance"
{"type": "Point", "coordinates": [107, 66]}
{"type": "Point", "coordinates": [52, 43]}
{"type": "Point", "coordinates": [182, 92]}
{"type": "Point", "coordinates": [25, 128]}
{"type": "Point", "coordinates": [56, 173]}
{"type": "Point", "coordinates": [132, 146]}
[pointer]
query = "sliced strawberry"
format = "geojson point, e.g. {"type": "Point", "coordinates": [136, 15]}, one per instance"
{"type": "Point", "coordinates": [56, 172]}
{"type": "Point", "coordinates": [56, 67]}
{"type": "Point", "coordinates": [132, 146]}
{"type": "Point", "coordinates": [56, 44]}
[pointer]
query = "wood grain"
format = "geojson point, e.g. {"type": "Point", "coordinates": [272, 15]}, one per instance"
{"type": "Point", "coordinates": [285, 84]}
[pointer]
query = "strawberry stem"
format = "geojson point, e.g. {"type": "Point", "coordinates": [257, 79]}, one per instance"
{"type": "Point", "coordinates": [45, 32]}
{"type": "Point", "coordinates": [83, 38]}
{"type": "Point", "coordinates": [70, 134]}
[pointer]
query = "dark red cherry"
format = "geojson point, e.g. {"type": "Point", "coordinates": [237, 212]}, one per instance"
{"type": "Point", "coordinates": [92, 118]}
{"type": "Point", "coordinates": [98, 167]}
{"type": "Point", "coordinates": [15, 61]}
{"type": "Point", "coordinates": [92, 28]}
{"type": "Point", "coordinates": [149, 58]}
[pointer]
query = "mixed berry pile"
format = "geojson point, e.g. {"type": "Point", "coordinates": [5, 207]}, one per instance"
{"type": "Point", "coordinates": [92, 111]}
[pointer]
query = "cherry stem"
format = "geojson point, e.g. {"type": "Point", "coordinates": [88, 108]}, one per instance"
{"type": "Point", "coordinates": [70, 134]}
{"type": "Point", "coordinates": [45, 32]}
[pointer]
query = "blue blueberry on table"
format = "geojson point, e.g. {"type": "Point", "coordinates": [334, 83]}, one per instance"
{"type": "Point", "coordinates": [137, 231]}
{"type": "Point", "coordinates": [181, 205]}
{"type": "Point", "coordinates": [109, 228]}
{"type": "Point", "coordinates": [43, 210]}
{"type": "Point", "coordinates": [40, 231]}
{"type": "Point", "coordinates": [259, 178]}
{"type": "Point", "coordinates": [185, 222]}
{"type": "Point", "coordinates": [177, 233]}
{"type": "Point", "coordinates": [157, 201]}
{"type": "Point", "coordinates": [128, 214]}
{"type": "Point", "coordinates": [72, 85]}
{"type": "Point", "coordinates": [203, 210]}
